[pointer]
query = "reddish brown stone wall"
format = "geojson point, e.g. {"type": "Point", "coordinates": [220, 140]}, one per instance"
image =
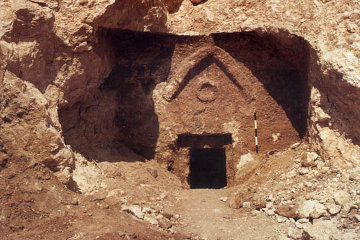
{"type": "Point", "coordinates": [163, 86]}
{"type": "Point", "coordinates": [211, 92]}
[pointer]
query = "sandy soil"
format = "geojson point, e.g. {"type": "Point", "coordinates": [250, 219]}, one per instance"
{"type": "Point", "coordinates": [204, 214]}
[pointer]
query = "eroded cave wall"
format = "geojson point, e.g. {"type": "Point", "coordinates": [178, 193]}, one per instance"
{"type": "Point", "coordinates": [122, 121]}
{"type": "Point", "coordinates": [334, 116]}
{"type": "Point", "coordinates": [53, 45]}
{"type": "Point", "coordinates": [163, 86]}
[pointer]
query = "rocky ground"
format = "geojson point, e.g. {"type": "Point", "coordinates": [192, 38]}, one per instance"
{"type": "Point", "coordinates": [51, 58]}
{"type": "Point", "coordinates": [293, 195]}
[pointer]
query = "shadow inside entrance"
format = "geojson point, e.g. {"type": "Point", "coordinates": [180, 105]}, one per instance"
{"type": "Point", "coordinates": [207, 168]}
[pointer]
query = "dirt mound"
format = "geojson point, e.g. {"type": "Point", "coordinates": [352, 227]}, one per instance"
{"type": "Point", "coordinates": [35, 205]}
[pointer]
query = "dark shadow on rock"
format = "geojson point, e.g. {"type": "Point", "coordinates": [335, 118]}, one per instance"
{"type": "Point", "coordinates": [197, 2]}
{"type": "Point", "coordinates": [119, 123]}
{"type": "Point", "coordinates": [173, 5]}
{"type": "Point", "coordinates": [281, 69]}
{"type": "Point", "coordinates": [338, 100]}
{"type": "Point", "coordinates": [201, 66]}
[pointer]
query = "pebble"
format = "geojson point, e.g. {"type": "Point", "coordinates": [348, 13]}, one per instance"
{"type": "Point", "coordinates": [223, 199]}
{"type": "Point", "coordinates": [294, 233]}
{"type": "Point", "coordinates": [303, 220]}
{"type": "Point", "coordinates": [333, 208]}
{"type": "Point", "coordinates": [151, 220]}
{"type": "Point", "coordinates": [134, 210]}
{"type": "Point", "coordinates": [299, 225]}
{"type": "Point", "coordinates": [303, 171]}
{"type": "Point", "coordinates": [246, 204]}
{"type": "Point", "coordinates": [280, 219]}
{"type": "Point", "coordinates": [146, 210]}
{"type": "Point", "coordinates": [269, 212]}
{"type": "Point", "coordinates": [295, 145]}
{"type": "Point", "coordinates": [269, 205]}
{"type": "Point", "coordinates": [308, 184]}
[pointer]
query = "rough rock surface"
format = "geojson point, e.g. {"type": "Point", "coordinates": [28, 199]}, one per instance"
{"type": "Point", "coordinates": [56, 55]}
{"type": "Point", "coordinates": [53, 46]}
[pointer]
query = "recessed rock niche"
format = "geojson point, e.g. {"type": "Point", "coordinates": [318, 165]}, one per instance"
{"type": "Point", "coordinates": [179, 98]}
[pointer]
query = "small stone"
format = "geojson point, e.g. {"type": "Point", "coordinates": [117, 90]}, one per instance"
{"type": "Point", "coordinates": [341, 197]}
{"type": "Point", "coordinates": [275, 136]}
{"type": "Point", "coordinates": [312, 209]}
{"type": "Point", "coordinates": [294, 233]}
{"type": "Point", "coordinates": [299, 225]}
{"type": "Point", "coordinates": [357, 217]}
{"type": "Point", "coordinates": [332, 208]}
{"type": "Point", "coordinates": [254, 212]}
{"type": "Point", "coordinates": [159, 216]}
{"type": "Point", "coordinates": [151, 220]}
{"type": "Point", "coordinates": [223, 199]}
{"type": "Point", "coordinates": [308, 159]}
{"type": "Point", "coordinates": [280, 219]}
{"type": "Point", "coordinates": [320, 229]}
{"type": "Point", "coordinates": [269, 212]}
{"type": "Point", "coordinates": [270, 198]}
{"type": "Point", "coordinates": [325, 170]}
{"type": "Point", "coordinates": [303, 171]}
{"type": "Point", "coordinates": [259, 203]}
{"type": "Point", "coordinates": [354, 175]}
{"type": "Point", "coordinates": [244, 159]}
{"type": "Point", "coordinates": [146, 210]}
{"type": "Point", "coordinates": [287, 210]}
{"type": "Point", "coordinates": [164, 223]}
{"type": "Point", "coordinates": [303, 220]}
{"type": "Point", "coordinates": [288, 197]}
{"type": "Point", "coordinates": [295, 145]}
{"type": "Point", "coordinates": [134, 210]}
{"type": "Point", "coordinates": [162, 195]}
{"type": "Point", "coordinates": [246, 204]}
{"type": "Point", "coordinates": [308, 184]}
{"type": "Point", "coordinates": [320, 165]}
{"type": "Point", "coordinates": [236, 200]}
{"type": "Point", "coordinates": [168, 215]}
{"type": "Point", "coordinates": [270, 153]}
{"type": "Point", "coordinates": [153, 172]}
{"type": "Point", "coordinates": [172, 230]}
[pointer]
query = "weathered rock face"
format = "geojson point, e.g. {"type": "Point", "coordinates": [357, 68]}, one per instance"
{"type": "Point", "coordinates": [182, 89]}
{"type": "Point", "coordinates": [57, 59]}
{"type": "Point", "coordinates": [81, 81]}
{"type": "Point", "coordinates": [215, 90]}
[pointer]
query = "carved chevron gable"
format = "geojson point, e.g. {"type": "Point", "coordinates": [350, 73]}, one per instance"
{"type": "Point", "coordinates": [196, 63]}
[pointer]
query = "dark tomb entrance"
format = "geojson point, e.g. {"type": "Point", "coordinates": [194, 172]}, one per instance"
{"type": "Point", "coordinates": [207, 168]}
{"type": "Point", "coordinates": [207, 159]}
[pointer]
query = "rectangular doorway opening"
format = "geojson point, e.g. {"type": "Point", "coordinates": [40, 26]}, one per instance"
{"type": "Point", "coordinates": [207, 168]}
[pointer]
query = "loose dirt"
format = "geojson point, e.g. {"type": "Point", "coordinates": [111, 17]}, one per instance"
{"type": "Point", "coordinates": [204, 214]}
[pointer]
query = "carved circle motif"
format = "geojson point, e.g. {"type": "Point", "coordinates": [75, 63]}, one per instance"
{"type": "Point", "coordinates": [207, 93]}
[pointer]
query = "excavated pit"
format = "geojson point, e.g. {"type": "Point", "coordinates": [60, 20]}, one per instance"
{"type": "Point", "coordinates": [183, 99]}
